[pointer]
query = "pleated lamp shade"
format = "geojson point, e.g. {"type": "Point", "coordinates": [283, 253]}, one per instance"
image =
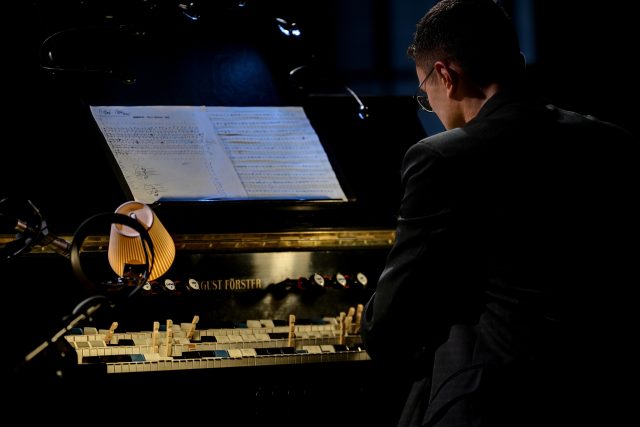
{"type": "Point", "coordinates": [126, 246]}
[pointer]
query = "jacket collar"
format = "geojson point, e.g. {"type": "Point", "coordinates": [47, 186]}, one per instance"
{"type": "Point", "coordinates": [499, 99]}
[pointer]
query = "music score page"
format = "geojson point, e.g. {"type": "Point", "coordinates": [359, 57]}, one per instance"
{"type": "Point", "coordinates": [209, 153]}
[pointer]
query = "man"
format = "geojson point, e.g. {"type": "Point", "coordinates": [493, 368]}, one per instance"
{"type": "Point", "coordinates": [503, 299]}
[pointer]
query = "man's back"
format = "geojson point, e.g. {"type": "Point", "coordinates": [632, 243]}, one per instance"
{"type": "Point", "coordinates": [546, 199]}
{"type": "Point", "coordinates": [514, 227]}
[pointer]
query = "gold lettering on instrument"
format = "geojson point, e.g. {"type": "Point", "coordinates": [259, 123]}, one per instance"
{"type": "Point", "coordinates": [231, 284]}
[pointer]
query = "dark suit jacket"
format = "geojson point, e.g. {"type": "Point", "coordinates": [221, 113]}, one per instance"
{"type": "Point", "coordinates": [504, 298]}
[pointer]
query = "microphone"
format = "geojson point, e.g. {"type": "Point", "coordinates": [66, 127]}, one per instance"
{"type": "Point", "coordinates": [25, 218]}
{"type": "Point", "coordinates": [43, 237]}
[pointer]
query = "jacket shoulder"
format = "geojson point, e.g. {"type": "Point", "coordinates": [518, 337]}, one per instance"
{"type": "Point", "coordinates": [441, 144]}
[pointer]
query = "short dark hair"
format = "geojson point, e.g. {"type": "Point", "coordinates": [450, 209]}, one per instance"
{"type": "Point", "coordinates": [477, 34]}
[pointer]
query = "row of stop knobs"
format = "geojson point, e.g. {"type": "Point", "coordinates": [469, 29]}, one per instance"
{"type": "Point", "coordinates": [317, 281]}
{"type": "Point", "coordinates": [314, 282]}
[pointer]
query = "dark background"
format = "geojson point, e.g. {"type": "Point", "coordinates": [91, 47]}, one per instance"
{"type": "Point", "coordinates": [579, 53]}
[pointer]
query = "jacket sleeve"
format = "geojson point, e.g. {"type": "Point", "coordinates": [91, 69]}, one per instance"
{"type": "Point", "coordinates": [406, 317]}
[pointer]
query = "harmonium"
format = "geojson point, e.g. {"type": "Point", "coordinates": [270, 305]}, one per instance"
{"type": "Point", "coordinates": [258, 313]}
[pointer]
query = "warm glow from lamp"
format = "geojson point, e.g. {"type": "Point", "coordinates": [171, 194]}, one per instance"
{"type": "Point", "coordinates": [126, 247]}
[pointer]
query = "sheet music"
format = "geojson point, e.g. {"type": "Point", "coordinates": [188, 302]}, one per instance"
{"type": "Point", "coordinates": [203, 153]}
{"type": "Point", "coordinates": [276, 152]}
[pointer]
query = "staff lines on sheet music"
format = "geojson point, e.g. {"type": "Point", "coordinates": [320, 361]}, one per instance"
{"type": "Point", "coordinates": [129, 135]}
{"type": "Point", "coordinates": [141, 153]}
{"type": "Point", "coordinates": [268, 184]}
{"type": "Point", "coordinates": [284, 174]}
{"type": "Point", "coordinates": [283, 159]}
{"type": "Point", "coordinates": [281, 143]}
{"type": "Point", "coordinates": [279, 127]}
{"type": "Point", "coordinates": [301, 168]}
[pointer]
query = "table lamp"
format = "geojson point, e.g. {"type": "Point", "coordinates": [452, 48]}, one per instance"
{"type": "Point", "coordinates": [126, 251]}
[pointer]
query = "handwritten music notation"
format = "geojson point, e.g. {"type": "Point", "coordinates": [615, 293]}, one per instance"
{"type": "Point", "coordinates": [204, 153]}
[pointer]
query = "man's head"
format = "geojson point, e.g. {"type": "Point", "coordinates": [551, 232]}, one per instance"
{"type": "Point", "coordinates": [476, 34]}
{"type": "Point", "coordinates": [464, 50]}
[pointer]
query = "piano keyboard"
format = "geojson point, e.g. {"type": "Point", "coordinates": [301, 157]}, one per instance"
{"type": "Point", "coordinates": [259, 343]}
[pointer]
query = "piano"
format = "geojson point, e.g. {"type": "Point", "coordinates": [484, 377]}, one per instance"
{"type": "Point", "coordinates": [276, 286]}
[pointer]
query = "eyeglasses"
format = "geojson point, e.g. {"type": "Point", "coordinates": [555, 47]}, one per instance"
{"type": "Point", "coordinates": [421, 98]}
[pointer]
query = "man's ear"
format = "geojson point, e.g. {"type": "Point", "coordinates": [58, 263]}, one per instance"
{"type": "Point", "coordinates": [449, 76]}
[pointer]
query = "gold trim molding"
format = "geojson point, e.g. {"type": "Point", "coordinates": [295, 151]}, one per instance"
{"type": "Point", "coordinates": [242, 242]}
